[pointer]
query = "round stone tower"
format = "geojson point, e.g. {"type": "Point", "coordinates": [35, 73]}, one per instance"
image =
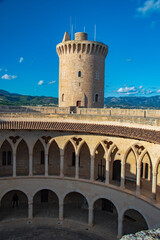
{"type": "Point", "coordinates": [81, 71]}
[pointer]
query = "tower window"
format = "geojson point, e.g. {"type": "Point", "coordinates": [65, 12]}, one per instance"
{"type": "Point", "coordinates": [63, 97]}
{"type": "Point", "coordinates": [97, 75]}
{"type": "Point", "coordinates": [96, 98]}
{"type": "Point", "coordinates": [79, 74]}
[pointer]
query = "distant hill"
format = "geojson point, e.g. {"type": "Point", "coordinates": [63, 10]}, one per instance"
{"type": "Point", "coordinates": [7, 98]}
{"type": "Point", "coordinates": [133, 102]}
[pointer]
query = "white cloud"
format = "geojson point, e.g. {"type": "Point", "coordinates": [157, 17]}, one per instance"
{"type": "Point", "coordinates": [148, 7]}
{"type": "Point", "coordinates": [51, 82]}
{"type": "Point", "coordinates": [127, 90]}
{"type": "Point", "coordinates": [21, 59]}
{"type": "Point", "coordinates": [41, 82]}
{"type": "Point", "coordinates": [158, 91]}
{"type": "Point", "coordinates": [8, 77]}
{"type": "Point", "coordinates": [140, 87]}
{"type": "Point", "coordinates": [128, 60]}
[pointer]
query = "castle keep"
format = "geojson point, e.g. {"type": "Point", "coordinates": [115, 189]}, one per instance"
{"type": "Point", "coordinates": [81, 71]}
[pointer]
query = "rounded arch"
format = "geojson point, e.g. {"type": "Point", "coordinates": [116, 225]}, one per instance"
{"type": "Point", "coordinates": [75, 191]}
{"type": "Point", "coordinates": [133, 220]}
{"type": "Point", "coordinates": [14, 204]}
{"type": "Point", "coordinates": [46, 203]}
{"type": "Point", "coordinates": [76, 206]}
{"type": "Point", "coordinates": [13, 189]}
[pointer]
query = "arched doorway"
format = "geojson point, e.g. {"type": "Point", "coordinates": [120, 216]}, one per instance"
{"type": "Point", "coordinates": [99, 164]}
{"type": "Point", "coordinates": [106, 217]}
{"type": "Point", "coordinates": [22, 159]}
{"type": "Point", "coordinates": [54, 159]}
{"type": "Point", "coordinates": [6, 160]}
{"type": "Point", "coordinates": [130, 171]}
{"type": "Point", "coordinates": [84, 162]}
{"type": "Point", "coordinates": [69, 160]}
{"type": "Point", "coordinates": [133, 221]}
{"type": "Point", "coordinates": [45, 204]}
{"type": "Point", "coordinates": [38, 159]}
{"type": "Point", "coordinates": [14, 204]}
{"type": "Point", "coordinates": [76, 207]}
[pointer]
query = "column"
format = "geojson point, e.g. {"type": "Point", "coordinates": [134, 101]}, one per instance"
{"type": "Point", "coordinates": [122, 175]}
{"type": "Point", "coordinates": [61, 207]}
{"type": "Point", "coordinates": [61, 164]}
{"type": "Point", "coordinates": [107, 171]}
{"type": "Point", "coordinates": [120, 226]}
{"type": "Point", "coordinates": [154, 186]}
{"type": "Point", "coordinates": [14, 164]}
{"type": "Point", "coordinates": [30, 165]}
{"type": "Point", "coordinates": [77, 167]}
{"type": "Point", "coordinates": [138, 180]}
{"type": "Point", "coordinates": [92, 169]}
{"type": "Point", "coordinates": [46, 164]}
{"type": "Point", "coordinates": [30, 209]}
{"type": "Point", "coordinates": [90, 216]}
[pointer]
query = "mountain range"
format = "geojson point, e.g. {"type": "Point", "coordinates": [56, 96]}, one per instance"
{"type": "Point", "coordinates": [7, 98]}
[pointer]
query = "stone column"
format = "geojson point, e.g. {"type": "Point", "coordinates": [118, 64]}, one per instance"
{"type": "Point", "coordinates": [120, 226]}
{"type": "Point", "coordinates": [122, 175]}
{"type": "Point", "coordinates": [154, 186]}
{"type": "Point", "coordinates": [14, 164]}
{"type": "Point", "coordinates": [107, 171]}
{"type": "Point", "coordinates": [90, 216]}
{"type": "Point", "coordinates": [61, 164]}
{"type": "Point", "coordinates": [138, 180]}
{"type": "Point", "coordinates": [30, 209]}
{"type": "Point", "coordinates": [77, 167]}
{"type": "Point", "coordinates": [30, 165]}
{"type": "Point", "coordinates": [61, 207]}
{"type": "Point", "coordinates": [46, 164]}
{"type": "Point", "coordinates": [92, 169]}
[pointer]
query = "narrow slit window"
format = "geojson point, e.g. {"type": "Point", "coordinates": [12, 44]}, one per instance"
{"type": "Point", "coordinates": [79, 74]}
{"type": "Point", "coordinates": [96, 98]}
{"type": "Point", "coordinates": [42, 157]}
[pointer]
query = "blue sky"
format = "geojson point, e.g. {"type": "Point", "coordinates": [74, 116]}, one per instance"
{"type": "Point", "coordinates": [31, 29]}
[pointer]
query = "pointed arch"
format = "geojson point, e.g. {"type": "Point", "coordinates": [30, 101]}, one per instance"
{"type": "Point", "coordinates": [6, 159]}
{"type": "Point", "coordinates": [130, 169]}
{"type": "Point", "coordinates": [84, 161]}
{"type": "Point", "coordinates": [38, 158]}
{"type": "Point", "coordinates": [69, 159]}
{"type": "Point", "coordinates": [99, 162]}
{"type": "Point", "coordinates": [22, 159]}
{"type": "Point", "coordinates": [54, 159]}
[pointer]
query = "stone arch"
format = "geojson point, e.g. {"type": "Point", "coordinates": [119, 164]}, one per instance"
{"type": "Point", "coordinates": [38, 158]}
{"type": "Point", "coordinates": [106, 215]}
{"type": "Point", "coordinates": [84, 161]}
{"type": "Point", "coordinates": [146, 173]}
{"type": "Point", "coordinates": [45, 203]}
{"type": "Point", "coordinates": [22, 159]}
{"type": "Point", "coordinates": [54, 159]}
{"type": "Point", "coordinates": [133, 221]}
{"type": "Point", "coordinates": [157, 173]}
{"type": "Point", "coordinates": [114, 156]}
{"type": "Point", "coordinates": [76, 206]}
{"type": "Point", "coordinates": [69, 159]}
{"type": "Point", "coordinates": [130, 160]}
{"type": "Point", "coordinates": [6, 159]}
{"type": "Point", "coordinates": [14, 204]}
{"type": "Point", "coordinates": [99, 162]}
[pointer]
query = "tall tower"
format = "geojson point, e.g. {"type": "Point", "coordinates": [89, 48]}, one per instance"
{"type": "Point", "coordinates": [81, 71]}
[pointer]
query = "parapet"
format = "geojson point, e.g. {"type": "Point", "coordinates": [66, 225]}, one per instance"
{"type": "Point", "coordinates": [80, 36]}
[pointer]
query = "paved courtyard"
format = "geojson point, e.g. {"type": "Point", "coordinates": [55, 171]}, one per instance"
{"type": "Point", "coordinates": [48, 229]}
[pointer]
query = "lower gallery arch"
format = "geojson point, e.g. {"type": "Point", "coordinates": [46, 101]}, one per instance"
{"type": "Point", "coordinates": [14, 204]}
{"type": "Point", "coordinates": [105, 217]}
{"type": "Point", "coordinates": [45, 204]}
{"type": "Point", "coordinates": [76, 207]}
{"type": "Point", "coordinates": [133, 221]}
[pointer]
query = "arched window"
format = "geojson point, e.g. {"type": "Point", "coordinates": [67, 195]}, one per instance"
{"type": "Point", "coordinates": [79, 74]}
{"type": "Point", "coordinates": [63, 97]}
{"type": "Point", "coordinates": [96, 98]}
